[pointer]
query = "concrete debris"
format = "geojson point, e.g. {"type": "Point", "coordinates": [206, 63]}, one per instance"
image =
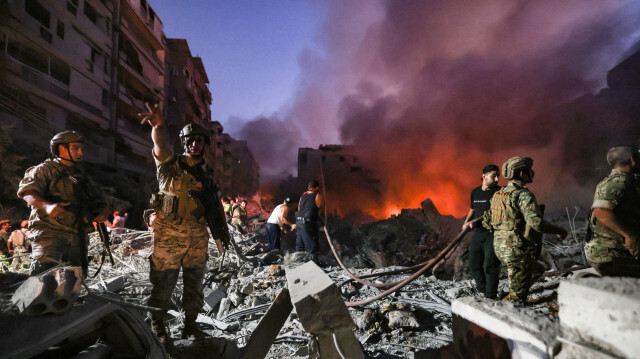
{"type": "Point", "coordinates": [51, 292]}
{"type": "Point", "coordinates": [414, 322]}
{"type": "Point", "coordinates": [212, 297]}
{"type": "Point", "coordinates": [401, 319]}
{"type": "Point", "coordinates": [110, 285]}
{"type": "Point", "coordinates": [322, 311]}
{"type": "Point", "coordinates": [602, 312]}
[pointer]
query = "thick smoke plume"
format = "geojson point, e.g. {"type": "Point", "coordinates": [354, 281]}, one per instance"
{"type": "Point", "coordinates": [431, 91]}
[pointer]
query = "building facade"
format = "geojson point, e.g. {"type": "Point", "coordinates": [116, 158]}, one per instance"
{"type": "Point", "coordinates": [90, 65]}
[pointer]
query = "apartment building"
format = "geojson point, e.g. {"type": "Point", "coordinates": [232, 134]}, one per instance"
{"type": "Point", "coordinates": [55, 71]}
{"type": "Point", "coordinates": [90, 65]}
{"type": "Point", "coordinates": [188, 97]}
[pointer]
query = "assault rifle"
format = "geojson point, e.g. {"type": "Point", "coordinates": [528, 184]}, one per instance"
{"type": "Point", "coordinates": [214, 215]}
{"type": "Point", "coordinates": [212, 211]}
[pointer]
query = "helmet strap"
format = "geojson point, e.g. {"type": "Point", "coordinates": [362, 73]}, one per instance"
{"type": "Point", "coordinates": [70, 159]}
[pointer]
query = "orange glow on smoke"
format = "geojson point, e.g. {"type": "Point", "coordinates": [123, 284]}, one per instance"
{"type": "Point", "coordinates": [447, 176]}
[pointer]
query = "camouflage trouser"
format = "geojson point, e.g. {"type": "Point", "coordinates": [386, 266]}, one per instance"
{"type": "Point", "coordinates": [175, 247]}
{"type": "Point", "coordinates": [20, 259]}
{"type": "Point", "coordinates": [51, 249]}
{"type": "Point", "coordinates": [612, 262]}
{"type": "Point", "coordinates": [518, 255]}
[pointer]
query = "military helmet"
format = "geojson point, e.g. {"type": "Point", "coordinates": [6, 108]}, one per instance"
{"type": "Point", "coordinates": [63, 138]}
{"type": "Point", "coordinates": [194, 129]}
{"type": "Point", "coordinates": [515, 164]}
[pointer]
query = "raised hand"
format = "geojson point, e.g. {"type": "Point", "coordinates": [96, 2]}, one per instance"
{"type": "Point", "coordinates": [153, 117]}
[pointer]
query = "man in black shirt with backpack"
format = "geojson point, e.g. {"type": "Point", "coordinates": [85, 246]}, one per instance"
{"type": "Point", "coordinates": [483, 263]}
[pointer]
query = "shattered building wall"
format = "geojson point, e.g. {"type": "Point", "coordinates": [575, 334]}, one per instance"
{"type": "Point", "coordinates": [346, 180]}
{"type": "Point", "coordinates": [245, 176]}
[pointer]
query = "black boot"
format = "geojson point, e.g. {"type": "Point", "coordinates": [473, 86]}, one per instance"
{"type": "Point", "coordinates": [191, 330]}
{"type": "Point", "coordinates": [158, 328]}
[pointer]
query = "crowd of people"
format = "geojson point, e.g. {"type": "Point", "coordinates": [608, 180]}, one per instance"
{"type": "Point", "coordinates": [507, 220]}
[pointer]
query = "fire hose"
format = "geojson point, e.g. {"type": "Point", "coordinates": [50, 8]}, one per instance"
{"type": "Point", "coordinates": [395, 285]}
{"type": "Point", "coordinates": [429, 265]}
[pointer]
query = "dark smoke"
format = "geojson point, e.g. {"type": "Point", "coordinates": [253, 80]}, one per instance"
{"type": "Point", "coordinates": [431, 91]}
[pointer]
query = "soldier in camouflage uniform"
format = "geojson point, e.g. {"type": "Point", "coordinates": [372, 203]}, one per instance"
{"type": "Point", "coordinates": [59, 193]}
{"type": "Point", "coordinates": [180, 228]}
{"type": "Point", "coordinates": [615, 217]}
{"type": "Point", "coordinates": [514, 216]}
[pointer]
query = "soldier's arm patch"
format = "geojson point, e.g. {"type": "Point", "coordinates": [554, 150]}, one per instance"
{"type": "Point", "coordinates": [35, 179]}
{"type": "Point", "coordinates": [602, 203]}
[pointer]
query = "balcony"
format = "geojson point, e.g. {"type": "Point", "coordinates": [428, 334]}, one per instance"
{"type": "Point", "coordinates": [151, 31]}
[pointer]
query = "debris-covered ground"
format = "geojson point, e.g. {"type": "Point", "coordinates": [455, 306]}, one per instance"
{"type": "Point", "coordinates": [415, 319]}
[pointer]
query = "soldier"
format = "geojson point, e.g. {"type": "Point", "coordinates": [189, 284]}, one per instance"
{"type": "Point", "coordinates": [309, 207]}
{"type": "Point", "coordinates": [239, 218]}
{"type": "Point", "coordinates": [613, 248]}
{"type": "Point", "coordinates": [180, 228]}
{"type": "Point", "coordinates": [5, 227]}
{"type": "Point", "coordinates": [514, 217]}
{"type": "Point", "coordinates": [19, 246]}
{"type": "Point", "coordinates": [63, 204]}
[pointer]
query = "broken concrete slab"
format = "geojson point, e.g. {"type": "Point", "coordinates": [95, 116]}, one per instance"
{"type": "Point", "coordinates": [110, 285]}
{"type": "Point", "coordinates": [604, 312]}
{"type": "Point", "coordinates": [50, 292]}
{"type": "Point", "coordinates": [269, 327]}
{"type": "Point", "coordinates": [529, 335]}
{"type": "Point", "coordinates": [212, 297]}
{"type": "Point", "coordinates": [322, 311]}
{"type": "Point", "coordinates": [225, 305]}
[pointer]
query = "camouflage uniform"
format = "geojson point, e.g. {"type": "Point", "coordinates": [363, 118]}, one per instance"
{"type": "Point", "coordinates": [619, 192]}
{"type": "Point", "coordinates": [239, 218]}
{"type": "Point", "coordinates": [513, 208]}
{"type": "Point", "coordinates": [4, 250]}
{"type": "Point", "coordinates": [20, 246]}
{"type": "Point", "coordinates": [180, 237]}
{"type": "Point", "coordinates": [62, 238]}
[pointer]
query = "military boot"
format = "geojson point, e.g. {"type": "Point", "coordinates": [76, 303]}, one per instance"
{"type": "Point", "coordinates": [158, 328]}
{"type": "Point", "coordinates": [191, 330]}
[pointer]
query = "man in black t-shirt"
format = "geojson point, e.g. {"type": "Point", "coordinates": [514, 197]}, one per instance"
{"type": "Point", "coordinates": [483, 263]}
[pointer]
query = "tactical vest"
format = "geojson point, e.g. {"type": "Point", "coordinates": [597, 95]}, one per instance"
{"type": "Point", "coordinates": [308, 209]}
{"type": "Point", "coordinates": [182, 202]}
{"type": "Point", "coordinates": [505, 212]}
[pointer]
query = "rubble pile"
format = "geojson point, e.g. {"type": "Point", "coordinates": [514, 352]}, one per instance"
{"type": "Point", "coordinates": [240, 287]}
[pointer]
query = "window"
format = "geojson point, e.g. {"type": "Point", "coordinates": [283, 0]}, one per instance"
{"type": "Point", "coordinates": [60, 70]}
{"type": "Point", "coordinates": [72, 6]}
{"type": "Point", "coordinates": [105, 98]}
{"type": "Point", "coordinates": [60, 29]}
{"type": "Point", "coordinates": [108, 26]}
{"type": "Point", "coordinates": [34, 59]}
{"type": "Point", "coordinates": [46, 34]}
{"type": "Point", "coordinates": [91, 62]}
{"type": "Point", "coordinates": [37, 11]}
{"type": "Point", "coordinates": [3, 42]}
{"type": "Point", "coordinates": [90, 12]}
{"type": "Point", "coordinates": [106, 66]}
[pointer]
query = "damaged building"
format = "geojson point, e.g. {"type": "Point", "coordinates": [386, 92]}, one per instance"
{"type": "Point", "coordinates": [91, 66]}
